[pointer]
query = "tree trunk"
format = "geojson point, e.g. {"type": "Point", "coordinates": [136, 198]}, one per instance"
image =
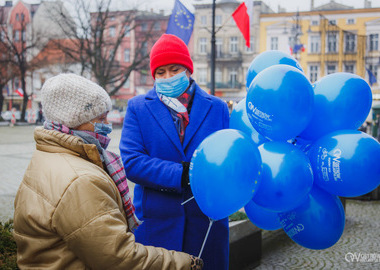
{"type": "Point", "coordinates": [25, 98]}
{"type": "Point", "coordinates": [1, 102]}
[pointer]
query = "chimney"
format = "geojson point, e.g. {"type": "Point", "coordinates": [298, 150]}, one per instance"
{"type": "Point", "coordinates": [8, 3]}
{"type": "Point", "coordinates": [281, 9]}
{"type": "Point", "coordinates": [311, 5]}
{"type": "Point", "coordinates": [162, 12]}
{"type": "Point", "coordinates": [367, 4]}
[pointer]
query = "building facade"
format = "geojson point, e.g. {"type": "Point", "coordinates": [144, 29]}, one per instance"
{"type": "Point", "coordinates": [232, 57]}
{"type": "Point", "coordinates": [328, 39]}
{"type": "Point", "coordinates": [27, 23]}
{"type": "Point", "coordinates": [27, 29]}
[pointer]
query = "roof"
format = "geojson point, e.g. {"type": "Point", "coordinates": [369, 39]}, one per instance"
{"type": "Point", "coordinates": [52, 54]}
{"type": "Point", "coordinates": [332, 6]}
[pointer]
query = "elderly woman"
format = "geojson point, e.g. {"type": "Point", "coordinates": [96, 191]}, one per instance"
{"type": "Point", "coordinates": [73, 210]}
{"type": "Point", "coordinates": [161, 131]}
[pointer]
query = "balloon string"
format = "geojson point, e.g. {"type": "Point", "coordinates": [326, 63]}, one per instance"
{"type": "Point", "coordinates": [187, 200]}
{"type": "Point", "coordinates": [204, 241]}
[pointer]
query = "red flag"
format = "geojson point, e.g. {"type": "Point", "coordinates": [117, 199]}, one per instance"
{"type": "Point", "coordinates": [20, 92]}
{"type": "Point", "coordinates": [242, 18]}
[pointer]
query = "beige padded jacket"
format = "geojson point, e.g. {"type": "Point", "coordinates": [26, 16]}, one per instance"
{"type": "Point", "coordinates": [69, 213]}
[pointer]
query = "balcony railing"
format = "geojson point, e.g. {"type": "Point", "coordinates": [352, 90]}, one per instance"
{"type": "Point", "coordinates": [228, 85]}
{"type": "Point", "coordinates": [227, 56]}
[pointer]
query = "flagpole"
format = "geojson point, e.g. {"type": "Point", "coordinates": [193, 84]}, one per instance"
{"type": "Point", "coordinates": [212, 86]}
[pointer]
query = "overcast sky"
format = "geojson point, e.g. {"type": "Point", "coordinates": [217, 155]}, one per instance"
{"type": "Point", "coordinates": [167, 5]}
{"type": "Point", "coordinates": [290, 5]}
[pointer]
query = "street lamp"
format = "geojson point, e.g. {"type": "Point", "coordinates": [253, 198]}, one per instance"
{"type": "Point", "coordinates": [212, 86]}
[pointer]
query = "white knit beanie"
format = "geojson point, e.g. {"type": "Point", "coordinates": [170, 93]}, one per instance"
{"type": "Point", "coordinates": [73, 100]}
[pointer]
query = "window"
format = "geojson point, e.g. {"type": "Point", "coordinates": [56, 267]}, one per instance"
{"type": "Point", "coordinates": [233, 44]}
{"type": "Point", "coordinates": [16, 35]}
{"type": "Point", "coordinates": [143, 78]}
{"type": "Point", "coordinates": [330, 68]}
{"type": "Point", "coordinates": [314, 22]}
{"type": "Point", "coordinates": [203, 45]}
{"type": "Point", "coordinates": [332, 22]}
{"type": "Point", "coordinates": [233, 77]}
{"type": "Point", "coordinates": [349, 67]}
{"type": "Point", "coordinates": [374, 42]}
{"type": "Point", "coordinates": [112, 31]}
{"type": "Point", "coordinates": [202, 75]}
{"type": "Point", "coordinates": [250, 49]}
{"type": "Point", "coordinates": [218, 47]}
{"type": "Point", "coordinates": [203, 20]}
{"type": "Point", "coordinates": [144, 27]}
{"type": "Point", "coordinates": [22, 17]}
{"type": "Point", "coordinates": [16, 83]}
{"type": "Point", "coordinates": [332, 45]}
{"type": "Point", "coordinates": [144, 48]}
{"type": "Point", "coordinates": [112, 54]}
{"type": "Point", "coordinates": [157, 26]}
{"type": "Point", "coordinates": [127, 31]}
{"type": "Point", "coordinates": [126, 84]}
{"type": "Point", "coordinates": [127, 55]}
{"type": "Point", "coordinates": [350, 21]}
{"type": "Point", "coordinates": [313, 73]}
{"type": "Point", "coordinates": [274, 43]}
{"type": "Point", "coordinates": [349, 42]}
{"type": "Point", "coordinates": [373, 69]}
{"type": "Point", "coordinates": [218, 75]}
{"type": "Point", "coordinates": [218, 20]}
{"type": "Point", "coordinates": [23, 35]}
{"type": "Point", "coordinates": [17, 17]}
{"type": "Point", "coordinates": [315, 44]}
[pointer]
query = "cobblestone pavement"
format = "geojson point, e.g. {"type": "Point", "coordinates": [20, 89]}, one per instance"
{"type": "Point", "coordinates": [361, 234]}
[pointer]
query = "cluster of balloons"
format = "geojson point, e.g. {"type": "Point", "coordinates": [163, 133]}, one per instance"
{"type": "Point", "coordinates": [291, 150]}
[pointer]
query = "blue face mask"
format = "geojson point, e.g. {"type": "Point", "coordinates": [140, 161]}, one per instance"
{"type": "Point", "coordinates": [102, 129]}
{"type": "Point", "coordinates": [173, 86]}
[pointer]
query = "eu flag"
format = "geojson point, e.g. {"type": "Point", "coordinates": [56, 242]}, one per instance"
{"type": "Point", "coordinates": [181, 22]}
{"type": "Point", "coordinates": [372, 78]}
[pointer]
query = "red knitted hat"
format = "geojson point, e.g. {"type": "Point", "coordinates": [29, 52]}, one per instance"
{"type": "Point", "coordinates": [170, 49]}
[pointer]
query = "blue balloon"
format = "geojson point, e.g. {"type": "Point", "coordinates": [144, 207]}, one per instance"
{"type": "Point", "coordinates": [239, 120]}
{"type": "Point", "coordinates": [346, 163]}
{"type": "Point", "coordinates": [262, 218]}
{"type": "Point", "coordinates": [341, 101]}
{"type": "Point", "coordinates": [224, 173]}
{"type": "Point", "coordinates": [302, 144]}
{"type": "Point", "coordinates": [268, 59]}
{"type": "Point", "coordinates": [286, 177]}
{"type": "Point", "coordinates": [280, 102]}
{"type": "Point", "coordinates": [318, 223]}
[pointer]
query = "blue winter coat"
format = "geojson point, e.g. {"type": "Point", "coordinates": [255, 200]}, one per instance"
{"type": "Point", "coordinates": [152, 153]}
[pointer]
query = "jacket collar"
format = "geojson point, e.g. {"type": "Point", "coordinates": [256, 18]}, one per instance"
{"type": "Point", "coordinates": [57, 142]}
{"type": "Point", "coordinates": [200, 107]}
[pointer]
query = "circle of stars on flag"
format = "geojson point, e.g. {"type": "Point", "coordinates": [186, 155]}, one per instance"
{"type": "Point", "coordinates": [189, 22]}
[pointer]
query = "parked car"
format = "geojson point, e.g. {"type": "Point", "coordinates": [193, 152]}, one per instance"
{"type": "Point", "coordinates": [7, 115]}
{"type": "Point", "coordinates": [30, 115]}
{"type": "Point", "coordinates": [116, 117]}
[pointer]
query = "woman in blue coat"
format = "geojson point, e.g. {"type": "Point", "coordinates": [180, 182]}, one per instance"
{"type": "Point", "coordinates": [161, 131]}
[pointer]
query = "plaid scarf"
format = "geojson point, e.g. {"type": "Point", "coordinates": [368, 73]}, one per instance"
{"type": "Point", "coordinates": [179, 109]}
{"type": "Point", "coordinates": [114, 166]}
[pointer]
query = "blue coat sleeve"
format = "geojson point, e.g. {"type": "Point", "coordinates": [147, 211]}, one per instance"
{"type": "Point", "coordinates": [141, 168]}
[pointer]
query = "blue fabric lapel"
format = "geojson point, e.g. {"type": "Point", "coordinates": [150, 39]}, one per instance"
{"type": "Point", "coordinates": [164, 118]}
{"type": "Point", "coordinates": [199, 110]}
